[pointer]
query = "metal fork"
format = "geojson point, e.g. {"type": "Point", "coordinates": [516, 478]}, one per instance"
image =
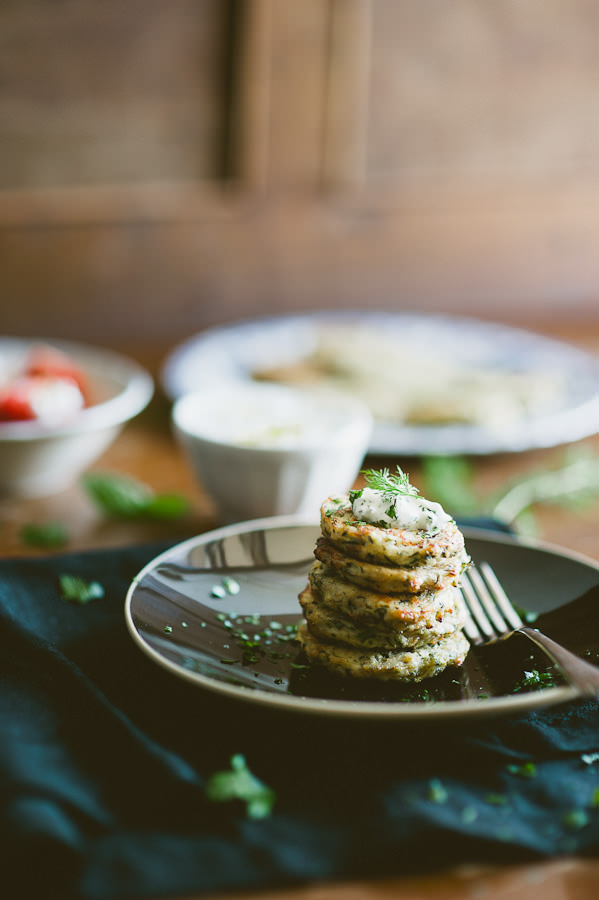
{"type": "Point", "coordinates": [490, 616]}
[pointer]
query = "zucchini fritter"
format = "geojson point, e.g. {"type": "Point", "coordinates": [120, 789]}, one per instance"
{"type": "Point", "coordinates": [386, 546]}
{"type": "Point", "coordinates": [383, 601]}
{"type": "Point", "coordinates": [399, 665]}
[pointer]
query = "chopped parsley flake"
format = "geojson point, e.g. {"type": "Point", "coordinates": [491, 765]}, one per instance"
{"type": "Point", "coordinates": [526, 770]}
{"type": "Point", "coordinates": [535, 680]}
{"type": "Point", "coordinates": [227, 585]}
{"type": "Point", "coordinates": [437, 792]}
{"type": "Point", "coordinates": [469, 815]}
{"type": "Point", "coordinates": [230, 585]}
{"type": "Point", "coordinates": [239, 783]}
{"type": "Point", "coordinates": [575, 819]}
{"type": "Point", "coordinates": [590, 758]}
{"type": "Point", "coordinates": [78, 590]}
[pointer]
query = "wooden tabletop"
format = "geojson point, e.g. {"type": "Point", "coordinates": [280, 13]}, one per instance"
{"type": "Point", "coordinates": [146, 450]}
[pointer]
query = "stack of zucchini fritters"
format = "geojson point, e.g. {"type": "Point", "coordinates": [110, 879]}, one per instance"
{"type": "Point", "coordinates": [383, 602]}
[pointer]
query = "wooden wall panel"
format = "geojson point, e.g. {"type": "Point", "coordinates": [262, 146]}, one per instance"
{"type": "Point", "coordinates": [378, 157]}
{"type": "Point", "coordinates": [484, 92]}
{"type": "Point", "coordinates": [100, 91]}
{"type": "Point", "coordinates": [163, 279]}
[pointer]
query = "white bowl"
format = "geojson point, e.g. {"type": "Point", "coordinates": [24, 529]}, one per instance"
{"type": "Point", "coordinates": [37, 459]}
{"type": "Point", "coordinates": [263, 449]}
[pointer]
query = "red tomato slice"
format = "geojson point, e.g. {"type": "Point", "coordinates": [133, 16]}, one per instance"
{"type": "Point", "coordinates": [50, 398]}
{"type": "Point", "coordinates": [15, 401]}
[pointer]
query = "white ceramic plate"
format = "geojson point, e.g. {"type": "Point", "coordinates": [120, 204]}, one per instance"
{"type": "Point", "coordinates": [235, 352]}
{"type": "Point", "coordinates": [236, 637]}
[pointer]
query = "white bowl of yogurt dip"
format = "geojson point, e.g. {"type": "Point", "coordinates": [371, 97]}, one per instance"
{"type": "Point", "coordinates": [265, 450]}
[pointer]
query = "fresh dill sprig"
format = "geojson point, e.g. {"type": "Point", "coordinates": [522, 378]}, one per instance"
{"type": "Point", "coordinates": [382, 480]}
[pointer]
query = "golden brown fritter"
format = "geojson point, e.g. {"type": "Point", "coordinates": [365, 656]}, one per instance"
{"type": "Point", "coordinates": [412, 623]}
{"type": "Point", "coordinates": [391, 579]}
{"type": "Point", "coordinates": [398, 665]}
{"type": "Point", "coordinates": [383, 545]}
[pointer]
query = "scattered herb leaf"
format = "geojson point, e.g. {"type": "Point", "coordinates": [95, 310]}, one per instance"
{"type": "Point", "coordinates": [231, 585]}
{"type": "Point", "coordinates": [575, 819]}
{"type": "Point", "coordinates": [526, 770]}
{"type": "Point", "coordinates": [123, 497]}
{"type": "Point", "coordinates": [536, 681]}
{"type": "Point", "coordinates": [437, 792]}
{"type": "Point", "coordinates": [239, 783]}
{"type": "Point", "coordinates": [590, 758]}
{"type": "Point", "coordinates": [78, 590]}
{"type": "Point", "coordinates": [44, 534]}
{"type": "Point", "coordinates": [469, 815]}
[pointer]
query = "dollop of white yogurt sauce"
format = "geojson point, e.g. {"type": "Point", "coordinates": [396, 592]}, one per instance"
{"type": "Point", "coordinates": [407, 511]}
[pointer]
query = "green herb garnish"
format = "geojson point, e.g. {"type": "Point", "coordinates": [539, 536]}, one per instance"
{"type": "Point", "coordinates": [526, 770]}
{"type": "Point", "coordinates": [590, 758]}
{"type": "Point", "coordinates": [390, 485]}
{"type": "Point", "coordinates": [436, 791]}
{"type": "Point", "coordinates": [239, 783]}
{"type": "Point", "coordinates": [47, 534]}
{"type": "Point", "coordinates": [536, 681]}
{"type": "Point", "coordinates": [78, 590]}
{"type": "Point", "coordinates": [575, 819]}
{"type": "Point", "coordinates": [123, 497]}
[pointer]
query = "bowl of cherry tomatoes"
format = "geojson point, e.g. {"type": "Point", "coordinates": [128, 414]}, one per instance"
{"type": "Point", "coordinates": [61, 405]}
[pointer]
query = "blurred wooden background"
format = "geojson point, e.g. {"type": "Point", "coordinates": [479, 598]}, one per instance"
{"type": "Point", "coordinates": [167, 166]}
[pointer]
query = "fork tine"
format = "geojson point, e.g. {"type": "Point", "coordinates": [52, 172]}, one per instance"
{"type": "Point", "coordinates": [477, 626]}
{"type": "Point", "coordinates": [471, 629]}
{"type": "Point", "coordinates": [487, 602]}
{"type": "Point", "coordinates": [501, 598]}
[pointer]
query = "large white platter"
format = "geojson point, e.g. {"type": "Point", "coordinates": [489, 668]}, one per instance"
{"type": "Point", "coordinates": [234, 352]}
{"type": "Point", "coordinates": [240, 644]}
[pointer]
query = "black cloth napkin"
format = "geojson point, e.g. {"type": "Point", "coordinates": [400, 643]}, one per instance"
{"type": "Point", "coordinates": [104, 759]}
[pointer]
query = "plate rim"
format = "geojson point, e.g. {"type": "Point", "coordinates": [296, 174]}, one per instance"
{"type": "Point", "coordinates": [483, 441]}
{"type": "Point", "coordinates": [371, 710]}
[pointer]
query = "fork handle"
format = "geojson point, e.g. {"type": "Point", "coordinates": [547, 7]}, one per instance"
{"type": "Point", "coordinates": [581, 674]}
